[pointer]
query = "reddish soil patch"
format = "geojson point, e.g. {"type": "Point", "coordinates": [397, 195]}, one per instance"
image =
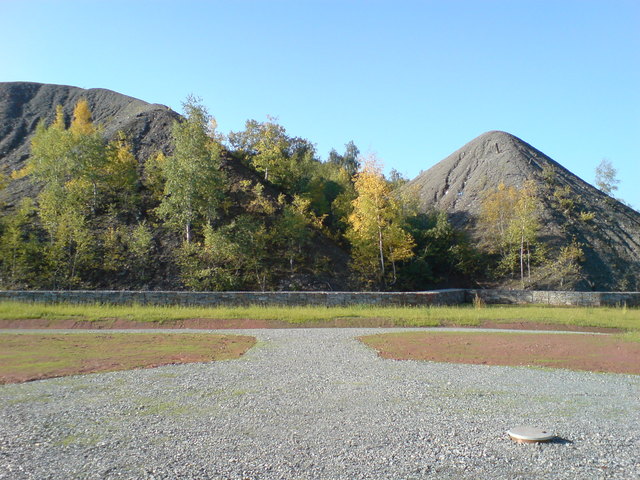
{"type": "Point", "coordinates": [250, 323]}
{"type": "Point", "coordinates": [598, 353]}
{"type": "Point", "coordinates": [123, 324]}
{"type": "Point", "coordinates": [197, 323]}
{"type": "Point", "coordinates": [525, 325]}
{"type": "Point", "coordinates": [25, 357]}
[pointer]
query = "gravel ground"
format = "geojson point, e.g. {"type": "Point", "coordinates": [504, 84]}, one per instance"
{"type": "Point", "coordinates": [317, 404]}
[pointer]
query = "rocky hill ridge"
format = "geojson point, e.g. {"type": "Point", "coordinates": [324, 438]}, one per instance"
{"type": "Point", "coordinates": [24, 104]}
{"type": "Point", "coordinates": [611, 240]}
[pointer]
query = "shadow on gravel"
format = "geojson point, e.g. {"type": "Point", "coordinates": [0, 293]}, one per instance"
{"type": "Point", "coordinates": [560, 441]}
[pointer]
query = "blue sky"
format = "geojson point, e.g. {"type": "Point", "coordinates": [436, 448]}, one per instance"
{"type": "Point", "coordinates": [411, 81]}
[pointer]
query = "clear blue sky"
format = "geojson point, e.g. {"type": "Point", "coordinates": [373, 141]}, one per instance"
{"type": "Point", "coordinates": [409, 80]}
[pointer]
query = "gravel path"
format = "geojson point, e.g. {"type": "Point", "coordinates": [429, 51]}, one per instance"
{"type": "Point", "coordinates": [317, 404]}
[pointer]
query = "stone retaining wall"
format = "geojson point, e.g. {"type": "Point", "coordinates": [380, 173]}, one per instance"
{"type": "Point", "coordinates": [585, 299]}
{"type": "Point", "coordinates": [440, 297]}
{"type": "Point", "coordinates": [437, 297]}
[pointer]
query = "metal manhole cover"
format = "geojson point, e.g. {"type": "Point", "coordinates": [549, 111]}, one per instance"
{"type": "Point", "coordinates": [529, 435]}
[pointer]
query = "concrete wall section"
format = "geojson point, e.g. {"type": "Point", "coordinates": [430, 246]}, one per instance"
{"type": "Point", "coordinates": [584, 299]}
{"type": "Point", "coordinates": [440, 297]}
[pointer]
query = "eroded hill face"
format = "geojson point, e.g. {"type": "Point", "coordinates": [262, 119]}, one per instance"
{"type": "Point", "coordinates": [610, 241]}
{"type": "Point", "coordinates": [23, 105]}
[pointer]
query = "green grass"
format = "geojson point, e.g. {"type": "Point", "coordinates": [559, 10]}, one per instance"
{"type": "Point", "coordinates": [623, 318]}
{"type": "Point", "coordinates": [28, 356]}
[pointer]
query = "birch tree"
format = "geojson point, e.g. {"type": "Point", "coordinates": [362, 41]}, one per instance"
{"type": "Point", "coordinates": [524, 226]}
{"type": "Point", "coordinates": [194, 182]}
{"type": "Point", "coordinates": [377, 238]}
{"type": "Point", "coordinates": [283, 160]}
{"type": "Point", "coordinates": [510, 220]}
{"type": "Point", "coordinates": [606, 177]}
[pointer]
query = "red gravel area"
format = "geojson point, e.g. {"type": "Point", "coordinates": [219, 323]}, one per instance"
{"type": "Point", "coordinates": [524, 325]}
{"type": "Point", "coordinates": [249, 323]}
{"type": "Point", "coordinates": [598, 353]}
{"type": "Point", "coordinates": [123, 324]}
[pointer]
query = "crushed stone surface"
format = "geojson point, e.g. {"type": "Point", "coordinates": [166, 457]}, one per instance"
{"type": "Point", "coordinates": [318, 404]}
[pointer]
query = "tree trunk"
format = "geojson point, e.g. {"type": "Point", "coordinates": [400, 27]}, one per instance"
{"type": "Point", "coordinates": [529, 261]}
{"type": "Point", "coordinates": [380, 248]}
{"type": "Point", "coordinates": [95, 199]}
{"type": "Point", "coordinates": [393, 265]}
{"type": "Point", "coordinates": [522, 261]}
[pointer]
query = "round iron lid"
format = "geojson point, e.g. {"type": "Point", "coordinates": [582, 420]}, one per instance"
{"type": "Point", "coordinates": [530, 435]}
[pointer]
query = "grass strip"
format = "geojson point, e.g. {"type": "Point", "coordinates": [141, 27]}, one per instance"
{"type": "Point", "coordinates": [607, 317]}
{"type": "Point", "coordinates": [30, 356]}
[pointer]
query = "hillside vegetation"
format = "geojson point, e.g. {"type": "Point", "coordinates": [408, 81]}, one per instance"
{"type": "Point", "coordinates": [148, 199]}
{"type": "Point", "coordinates": [256, 210]}
{"type": "Point", "coordinates": [504, 192]}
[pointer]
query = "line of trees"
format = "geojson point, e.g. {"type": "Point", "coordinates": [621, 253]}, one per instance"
{"type": "Point", "coordinates": [254, 210]}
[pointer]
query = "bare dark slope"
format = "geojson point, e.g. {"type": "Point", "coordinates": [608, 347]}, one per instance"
{"type": "Point", "coordinates": [23, 105]}
{"type": "Point", "coordinates": [611, 240]}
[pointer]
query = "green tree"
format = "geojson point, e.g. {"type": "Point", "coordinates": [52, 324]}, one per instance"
{"type": "Point", "coordinates": [606, 177]}
{"type": "Point", "coordinates": [331, 193]}
{"type": "Point", "coordinates": [510, 220]}
{"type": "Point", "coordinates": [349, 160]}
{"type": "Point", "coordinates": [253, 239]}
{"type": "Point", "coordinates": [127, 252]}
{"type": "Point", "coordinates": [443, 254]}
{"type": "Point", "coordinates": [69, 164]}
{"type": "Point", "coordinates": [71, 255]}
{"type": "Point", "coordinates": [215, 263]}
{"type": "Point", "coordinates": [20, 249]}
{"type": "Point", "coordinates": [85, 183]}
{"type": "Point", "coordinates": [293, 229]}
{"type": "Point", "coordinates": [87, 155]}
{"type": "Point", "coordinates": [497, 211]}
{"type": "Point", "coordinates": [396, 179]}
{"type": "Point", "coordinates": [193, 179]}
{"type": "Point", "coordinates": [375, 228]}
{"type": "Point", "coordinates": [153, 177]}
{"type": "Point", "coordinates": [524, 227]}
{"type": "Point", "coordinates": [283, 160]}
{"type": "Point", "coordinates": [120, 175]}
{"type": "Point", "coordinates": [568, 262]}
